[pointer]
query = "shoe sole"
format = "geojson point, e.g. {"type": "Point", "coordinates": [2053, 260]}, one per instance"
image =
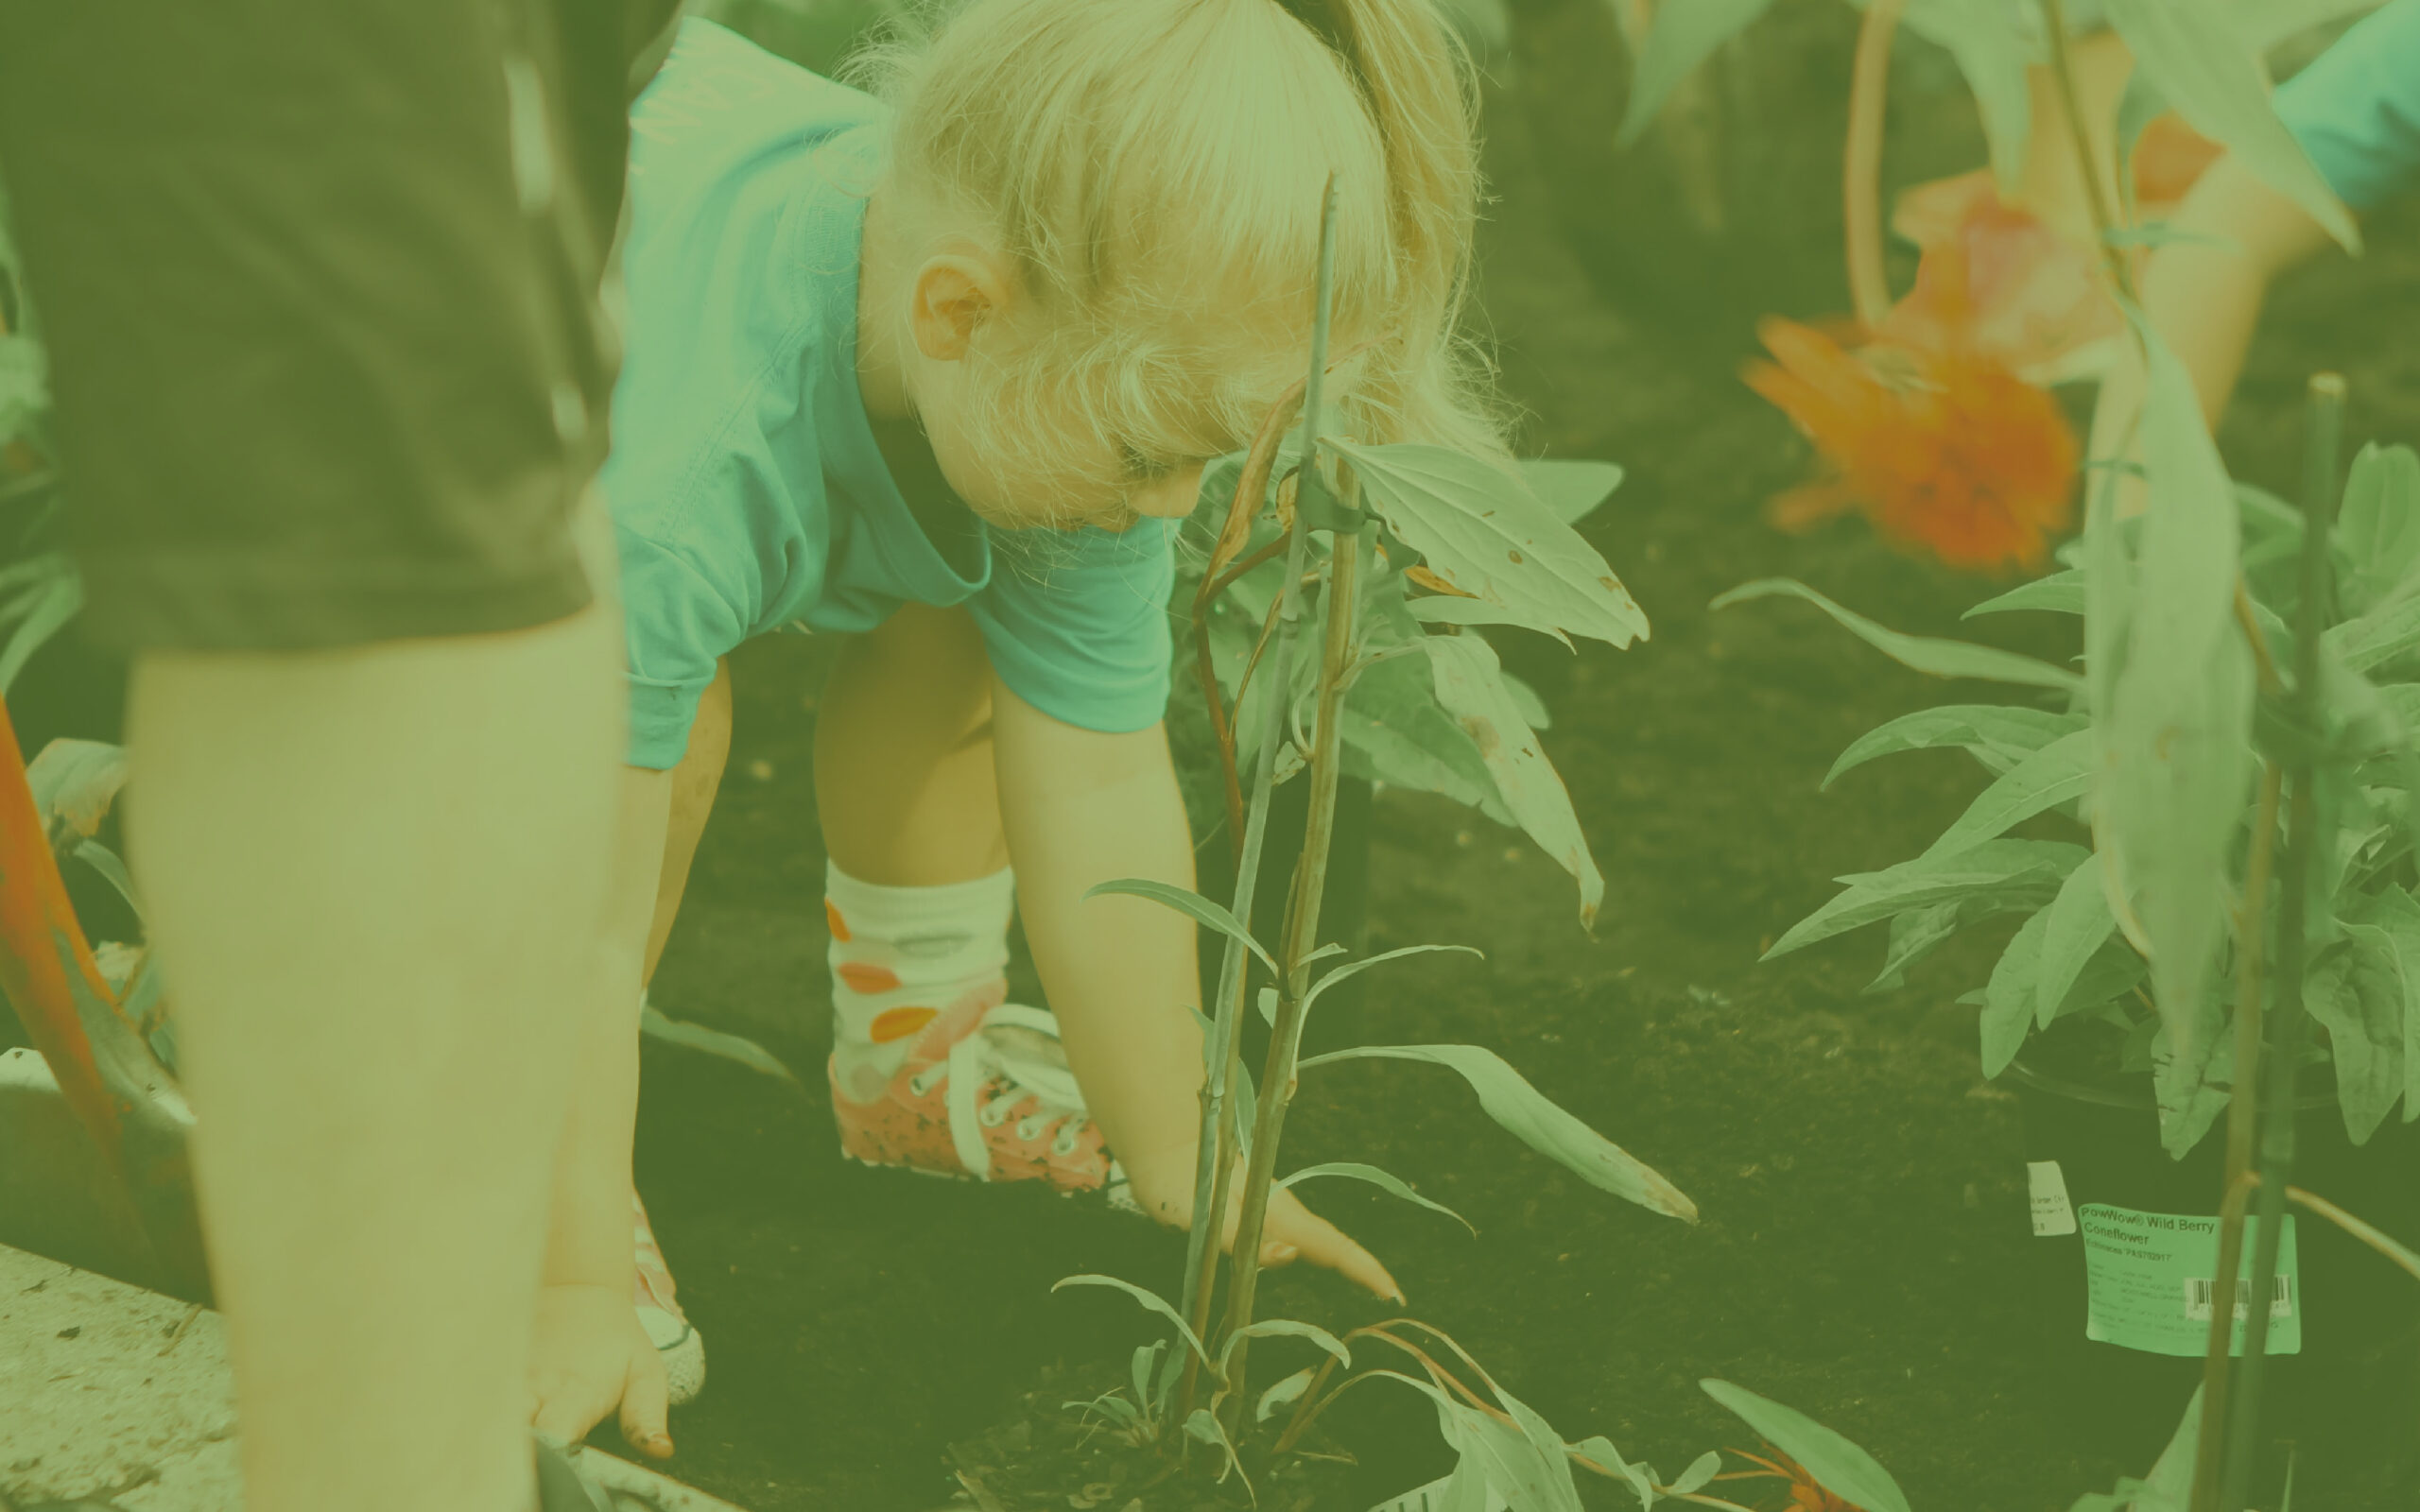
{"type": "Point", "coordinates": [1119, 1193]}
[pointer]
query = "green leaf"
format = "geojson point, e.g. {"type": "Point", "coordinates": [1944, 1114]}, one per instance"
{"type": "Point", "coordinates": [2018, 872]}
{"type": "Point", "coordinates": [1915, 934]}
{"type": "Point", "coordinates": [1468, 686]}
{"type": "Point", "coordinates": [1444, 609]}
{"type": "Point", "coordinates": [2059, 773]}
{"type": "Point", "coordinates": [656, 1023]}
{"type": "Point", "coordinates": [2379, 527]}
{"type": "Point", "coordinates": [2396, 912]}
{"type": "Point", "coordinates": [1999, 735]}
{"type": "Point", "coordinates": [2387, 632]}
{"type": "Point", "coordinates": [1396, 733]}
{"type": "Point", "coordinates": [2357, 993]}
{"type": "Point", "coordinates": [1192, 905]}
{"type": "Point", "coordinates": [1151, 1300]}
{"type": "Point", "coordinates": [1526, 700]}
{"type": "Point", "coordinates": [2008, 1001]}
{"type": "Point", "coordinates": [1528, 1116]}
{"type": "Point", "coordinates": [2074, 928]}
{"type": "Point", "coordinates": [1572, 487]}
{"type": "Point", "coordinates": [1204, 1426]}
{"type": "Point", "coordinates": [2059, 593]}
{"type": "Point", "coordinates": [105, 861]}
{"type": "Point", "coordinates": [1353, 969]}
{"type": "Point", "coordinates": [75, 782]}
{"type": "Point", "coordinates": [1683, 38]}
{"type": "Point", "coordinates": [2264, 24]}
{"type": "Point", "coordinates": [1116, 1408]}
{"type": "Point", "coordinates": [2176, 760]}
{"type": "Point", "coordinates": [1838, 1466]}
{"type": "Point", "coordinates": [1286, 1327]}
{"type": "Point", "coordinates": [1695, 1478]}
{"type": "Point", "coordinates": [59, 599]}
{"type": "Point", "coordinates": [25, 386]}
{"type": "Point", "coordinates": [2214, 78]}
{"type": "Point", "coordinates": [1940, 659]}
{"type": "Point", "coordinates": [1991, 51]}
{"type": "Point", "coordinates": [1481, 530]}
{"type": "Point", "coordinates": [1146, 1360]}
{"type": "Point", "coordinates": [1284, 1394]}
{"type": "Point", "coordinates": [1384, 1181]}
{"type": "Point", "coordinates": [1547, 1483]}
{"type": "Point", "coordinates": [1601, 1453]}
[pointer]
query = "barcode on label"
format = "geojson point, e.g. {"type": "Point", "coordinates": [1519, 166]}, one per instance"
{"type": "Point", "coordinates": [2200, 1294]}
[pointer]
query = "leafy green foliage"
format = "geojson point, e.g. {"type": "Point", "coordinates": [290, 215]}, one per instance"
{"type": "Point", "coordinates": [1936, 658]}
{"type": "Point", "coordinates": [2174, 766]}
{"type": "Point", "coordinates": [1470, 687]}
{"type": "Point", "coordinates": [1842, 1468]}
{"type": "Point", "coordinates": [2141, 932]}
{"type": "Point", "coordinates": [1384, 1181]}
{"type": "Point", "coordinates": [1482, 530]}
{"type": "Point", "coordinates": [1684, 36]}
{"type": "Point", "coordinates": [657, 1024]}
{"type": "Point", "coordinates": [2214, 76]}
{"type": "Point", "coordinates": [1525, 1113]}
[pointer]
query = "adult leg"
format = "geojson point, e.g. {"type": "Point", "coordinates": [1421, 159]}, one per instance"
{"type": "Point", "coordinates": [372, 868]}
{"type": "Point", "coordinates": [695, 782]}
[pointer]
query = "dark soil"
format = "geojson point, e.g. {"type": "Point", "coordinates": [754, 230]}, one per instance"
{"type": "Point", "coordinates": [1864, 1250]}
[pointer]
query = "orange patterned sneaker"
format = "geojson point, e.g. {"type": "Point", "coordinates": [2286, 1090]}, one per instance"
{"type": "Point", "coordinates": [985, 1095]}
{"type": "Point", "coordinates": [684, 1352]}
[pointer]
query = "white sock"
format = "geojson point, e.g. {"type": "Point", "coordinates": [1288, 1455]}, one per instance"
{"type": "Point", "coordinates": [905, 957]}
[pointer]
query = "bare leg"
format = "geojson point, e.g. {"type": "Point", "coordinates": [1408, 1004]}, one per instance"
{"type": "Point", "coordinates": [379, 879]}
{"type": "Point", "coordinates": [903, 755]}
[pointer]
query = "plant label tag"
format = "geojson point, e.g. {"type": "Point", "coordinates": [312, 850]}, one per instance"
{"type": "Point", "coordinates": [2052, 1214]}
{"type": "Point", "coordinates": [2149, 1279]}
{"type": "Point", "coordinates": [1432, 1498]}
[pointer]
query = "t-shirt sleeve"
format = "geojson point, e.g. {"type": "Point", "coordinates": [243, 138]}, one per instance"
{"type": "Point", "coordinates": [2356, 109]}
{"type": "Point", "coordinates": [1075, 622]}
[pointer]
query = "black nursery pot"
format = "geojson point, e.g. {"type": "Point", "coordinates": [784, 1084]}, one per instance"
{"type": "Point", "coordinates": [2117, 1226]}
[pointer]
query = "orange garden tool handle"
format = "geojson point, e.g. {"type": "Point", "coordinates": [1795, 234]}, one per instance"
{"type": "Point", "coordinates": [105, 1069]}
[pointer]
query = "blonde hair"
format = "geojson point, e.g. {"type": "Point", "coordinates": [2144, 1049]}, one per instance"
{"type": "Point", "coordinates": [1151, 171]}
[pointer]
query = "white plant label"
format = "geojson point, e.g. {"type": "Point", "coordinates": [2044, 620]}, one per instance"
{"type": "Point", "coordinates": [2054, 1215]}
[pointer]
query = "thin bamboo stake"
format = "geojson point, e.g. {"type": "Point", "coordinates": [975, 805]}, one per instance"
{"type": "Point", "coordinates": [2242, 1124]}
{"type": "Point", "coordinates": [2321, 445]}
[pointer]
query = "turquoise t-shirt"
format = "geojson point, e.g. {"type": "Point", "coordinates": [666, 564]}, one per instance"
{"type": "Point", "coordinates": [746, 489]}
{"type": "Point", "coordinates": [2356, 109]}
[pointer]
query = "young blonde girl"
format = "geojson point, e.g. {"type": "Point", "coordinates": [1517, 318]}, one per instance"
{"type": "Point", "coordinates": [940, 366]}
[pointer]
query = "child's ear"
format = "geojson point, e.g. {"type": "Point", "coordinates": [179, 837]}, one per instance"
{"type": "Point", "coordinates": [954, 294]}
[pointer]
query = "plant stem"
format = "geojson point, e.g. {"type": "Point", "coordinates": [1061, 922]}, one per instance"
{"type": "Point", "coordinates": [2242, 1124]}
{"type": "Point", "coordinates": [1301, 930]}
{"type": "Point", "coordinates": [1215, 1160]}
{"type": "Point", "coordinates": [1862, 185]}
{"type": "Point", "coordinates": [2096, 186]}
{"type": "Point", "coordinates": [2321, 447]}
{"type": "Point", "coordinates": [2401, 1255]}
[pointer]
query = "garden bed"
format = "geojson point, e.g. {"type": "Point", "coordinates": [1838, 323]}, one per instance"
{"type": "Point", "coordinates": [1864, 1250]}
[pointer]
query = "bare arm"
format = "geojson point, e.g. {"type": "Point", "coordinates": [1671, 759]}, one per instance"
{"type": "Point", "coordinates": [2204, 296]}
{"type": "Point", "coordinates": [1080, 809]}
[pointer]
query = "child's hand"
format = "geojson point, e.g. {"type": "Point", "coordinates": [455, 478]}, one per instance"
{"type": "Point", "coordinates": [1163, 1185]}
{"type": "Point", "coordinates": [590, 1357]}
